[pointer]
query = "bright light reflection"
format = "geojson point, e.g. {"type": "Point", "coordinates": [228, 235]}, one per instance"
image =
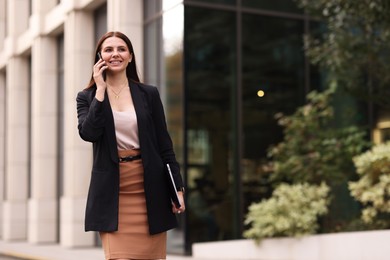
{"type": "Point", "coordinates": [173, 29]}
{"type": "Point", "coordinates": [167, 4]}
{"type": "Point", "coordinates": [260, 93]}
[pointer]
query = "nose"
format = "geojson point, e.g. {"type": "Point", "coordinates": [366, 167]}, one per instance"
{"type": "Point", "coordinates": [115, 53]}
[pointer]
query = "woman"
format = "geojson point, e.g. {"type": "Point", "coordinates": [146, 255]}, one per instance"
{"type": "Point", "coordinates": [128, 199]}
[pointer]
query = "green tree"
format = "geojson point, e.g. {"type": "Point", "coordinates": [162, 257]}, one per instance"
{"type": "Point", "coordinates": [313, 150]}
{"type": "Point", "coordinates": [355, 46]}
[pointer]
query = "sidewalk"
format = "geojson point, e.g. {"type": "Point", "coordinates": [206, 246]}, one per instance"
{"type": "Point", "coordinates": [26, 251]}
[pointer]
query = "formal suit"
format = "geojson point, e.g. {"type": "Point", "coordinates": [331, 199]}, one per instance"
{"type": "Point", "coordinates": [96, 125]}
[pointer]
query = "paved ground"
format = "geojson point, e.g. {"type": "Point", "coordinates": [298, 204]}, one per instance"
{"type": "Point", "coordinates": [27, 251]}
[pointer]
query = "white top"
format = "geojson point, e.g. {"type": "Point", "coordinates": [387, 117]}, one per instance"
{"type": "Point", "coordinates": [126, 129]}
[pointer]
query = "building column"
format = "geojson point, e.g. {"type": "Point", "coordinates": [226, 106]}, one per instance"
{"type": "Point", "coordinates": [79, 48]}
{"type": "Point", "coordinates": [42, 205]}
{"type": "Point", "coordinates": [2, 143]}
{"type": "Point", "coordinates": [118, 19]}
{"type": "Point", "coordinates": [16, 149]}
{"type": "Point", "coordinates": [42, 208]}
{"type": "Point", "coordinates": [16, 126]}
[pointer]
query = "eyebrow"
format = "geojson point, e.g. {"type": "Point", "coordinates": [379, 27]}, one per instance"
{"type": "Point", "coordinates": [119, 46]}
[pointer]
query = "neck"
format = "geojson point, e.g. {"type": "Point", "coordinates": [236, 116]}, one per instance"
{"type": "Point", "coordinates": [117, 82]}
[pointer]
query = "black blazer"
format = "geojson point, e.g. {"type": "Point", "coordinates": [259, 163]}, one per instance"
{"type": "Point", "coordinates": [96, 125]}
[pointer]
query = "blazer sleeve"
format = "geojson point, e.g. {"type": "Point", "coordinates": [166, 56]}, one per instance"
{"type": "Point", "coordinates": [91, 120]}
{"type": "Point", "coordinates": [163, 138]}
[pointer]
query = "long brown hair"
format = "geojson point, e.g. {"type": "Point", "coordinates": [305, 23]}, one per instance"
{"type": "Point", "coordinates": [131, 69]}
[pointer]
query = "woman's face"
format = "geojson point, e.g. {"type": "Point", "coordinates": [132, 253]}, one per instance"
{"type": "Point", "coordinates": [116, 54]}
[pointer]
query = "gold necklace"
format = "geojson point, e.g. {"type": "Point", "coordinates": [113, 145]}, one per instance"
{"type": "Point", "coordinates": [117, 94]}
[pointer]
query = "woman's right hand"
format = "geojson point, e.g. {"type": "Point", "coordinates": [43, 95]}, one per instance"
{"type": "Point", "coordinates": [98, 70]}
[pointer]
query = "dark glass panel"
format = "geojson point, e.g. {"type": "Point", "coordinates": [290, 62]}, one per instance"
{"type": "Point", "coordinates": [316, 76]}
{"type": "Point", "coordinates": [174, 100]}
{"type": "Point", "coordinates": [274, 5]}
{"type": "Point", "coordinates": [210, 66]}
{"type": "Point", "coordinates": [273, 82]}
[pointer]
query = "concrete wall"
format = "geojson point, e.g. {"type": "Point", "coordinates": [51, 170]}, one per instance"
{"type": "Point", "coordinates": [369, 245]}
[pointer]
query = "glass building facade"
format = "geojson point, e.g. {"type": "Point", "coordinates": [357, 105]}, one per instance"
{"type": "Point", "coordinates": [225, 68]}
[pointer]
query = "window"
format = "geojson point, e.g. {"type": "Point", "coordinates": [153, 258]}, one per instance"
{"type": "Point", "coordinates": [272, 82]}
{"type": "Point", "coordinates": [210, 51]}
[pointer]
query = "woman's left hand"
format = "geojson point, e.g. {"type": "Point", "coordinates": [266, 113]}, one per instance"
{"type": "Point", "coordinates": [182, 207]}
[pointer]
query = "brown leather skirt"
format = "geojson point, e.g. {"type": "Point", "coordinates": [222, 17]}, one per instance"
{"type": "Point", "coordinates": [132, 240]}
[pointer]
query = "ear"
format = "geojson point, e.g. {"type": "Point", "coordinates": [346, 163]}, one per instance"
{"type": "Point", "coordinates": [131, 58]}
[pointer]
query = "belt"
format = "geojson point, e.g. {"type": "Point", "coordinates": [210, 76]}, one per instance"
{"type": "Point", "coordinates": [130, 158]}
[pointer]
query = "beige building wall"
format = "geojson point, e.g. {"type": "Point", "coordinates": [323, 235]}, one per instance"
{"type": "Point", "coordinates": [38, 205]}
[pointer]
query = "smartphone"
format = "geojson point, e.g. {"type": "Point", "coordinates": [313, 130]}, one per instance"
{"type": "Point", "coordinates": [100, 57]}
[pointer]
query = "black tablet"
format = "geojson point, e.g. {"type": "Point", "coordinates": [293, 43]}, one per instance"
{"type": "Point", "coordinates": [172, 187]}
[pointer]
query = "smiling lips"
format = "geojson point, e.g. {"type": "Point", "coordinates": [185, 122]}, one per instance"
{"type": "Point", "coordinates": [115, 62]}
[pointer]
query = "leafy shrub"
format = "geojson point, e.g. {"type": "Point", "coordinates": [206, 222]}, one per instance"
{"type": "Point", "coordinates": [373, 187]}
{"type": "Point", "coordinates": [291, 211]}
{"type": "Point", "coordinates": [313, 150]}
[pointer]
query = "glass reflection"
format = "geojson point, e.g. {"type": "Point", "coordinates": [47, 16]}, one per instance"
{"type": "Point", "coordinates": [167, 4]}
{"type": "Point", "coordinates": [210, 80]}
{"type": "Point", "coordinates": [173, 29]}
{"type": "Point", "coordinates": [273, 62]}
{"type": "Point", "coordinates": [172, 92]}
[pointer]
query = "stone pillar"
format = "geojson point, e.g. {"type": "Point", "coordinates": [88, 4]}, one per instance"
{"type": "Point", "coordinates": [118, 19]}
{"type": "Point", "coordinates": [16, 126]}
{"type": "Point", "coordinates": [79, 47]}
{"type": "Point", "coordinates": [17, 150]}
{"type": "Point", "coordinates": [42, 210]}
{"type": "Point", "coordinates": [42, 205]}
{"type": "Point", "coordinates": [2, 143]}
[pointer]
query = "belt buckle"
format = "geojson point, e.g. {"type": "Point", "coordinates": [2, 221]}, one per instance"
{"type": "Point", "coordinates": [126, 159]}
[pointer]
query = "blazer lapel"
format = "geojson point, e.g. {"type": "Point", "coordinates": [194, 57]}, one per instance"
{"type": "Point", "coordinates": [110, 126]}
{"type": "Point", "coordinates": [141, 108]}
